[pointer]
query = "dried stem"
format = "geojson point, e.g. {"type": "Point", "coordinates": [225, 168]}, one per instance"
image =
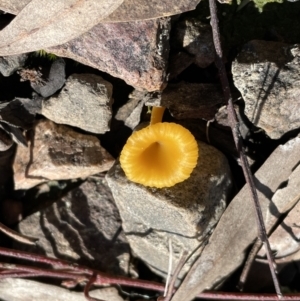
{"type": "Point", "coordinates": [234, 124]}
{"type": "Point", "coordinates": [17, 236]}
{"type": "Point", "coordinates": [246, 269]}
{"type": "Point", "coordinates": [179, 267]}
{"type": "Point", "coordinates": [75, 274]}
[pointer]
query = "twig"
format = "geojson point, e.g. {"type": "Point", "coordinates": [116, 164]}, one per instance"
{"type": "Point", "coordinates": [179, 267]}
{"type": "Point", "coordinates": [170, 267]}
{"type": "Point", "coordinates": [234, 124]}
{"type": "Point", "coordinates": [87, 289]}
{"type": "Point", "coordinates": [246, 269]}
{"type": "Point", "coordinates": [72, 273]}
{"type": "Point", "coordinates": [17, 236]}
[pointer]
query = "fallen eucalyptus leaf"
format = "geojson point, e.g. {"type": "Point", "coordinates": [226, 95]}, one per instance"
{"type": "Point", "coordinates": [129, 10]}
{"type": "Point", "coordinates": [46, 23]}
{"type": "Point", "coordinates": [13, 6]}
{"type": "Point", "coordinates": [237, 228]}
{"type": "Point", "coordinates": [134, 10]}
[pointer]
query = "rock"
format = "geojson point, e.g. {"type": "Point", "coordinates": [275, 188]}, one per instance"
{"type": "Point", "coordinates": [130, 113]}
{"type": "Point", "coordinates": [84, 226]}
{"type": "Point", "coordinates": [84, 102]}
{"type": "Point", "coordinates": [177, 63]}
{"type": "Point", "coordinates": [188, 100]}
{"type": "Point", "coordinates": [6, 171]}
{"type": "Point", "coordinates": [136, 52]}
{"type": "Point", "coordinates": [192, 100]}
{"type": "Point", "coordinates": [13, 289]}
{"type": "Point", "coordinates": [58, 152]}
{"type": "Point", "coordinates": [15, 133]}
{"type": "Point", "coordinates": [184, 213]}
{"type": "Point", "coordinates": [196, 38]}
{"type": "Point", "coordinates": [56, 79]}
{"type": "Point", "coordinates": [20, 112]}
{"type": "Point", "coordinates": [5, 140]}
{"type": "Point", "coordinates": [10, 64]}
{"type": "Point", "coordinates": [267, 75]}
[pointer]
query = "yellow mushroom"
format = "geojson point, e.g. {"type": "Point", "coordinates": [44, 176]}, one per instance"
{"type": "Point", "coordinates": [160, 155]}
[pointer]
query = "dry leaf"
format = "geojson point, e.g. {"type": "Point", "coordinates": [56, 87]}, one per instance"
{"type": "Point", "coordinates": [134, 10]}
{"type": "Point", "coordinates": [237, 228]}
{"type": "Point", "coordinates": [129, 10]}
{"type": "Point", "coordinates": [46, 23]}
{"type": "Point", "coordinates": [13, 6]}
{"type": "Point", "coordinates": [285, 239]}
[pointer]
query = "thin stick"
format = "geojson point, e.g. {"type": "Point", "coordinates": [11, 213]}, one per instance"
{"type": "Point", "coordinates": [179, 267]}
{"type": "Point", "coordinates": [246, 269]}
{"type": "Point", "coordinates": [72, 274]}
{"type": "Point", "coordinates": [234, 124]}
{"type": "Point", "coordinates": [170, 267]}
{"type": "Point", "coordinates": [17, 236]}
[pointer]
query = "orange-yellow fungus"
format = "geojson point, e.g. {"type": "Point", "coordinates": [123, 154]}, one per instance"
{"type": "Point", "coordinates": [160, 155]}
{"type": "Point", "coordinates": [157, 114]}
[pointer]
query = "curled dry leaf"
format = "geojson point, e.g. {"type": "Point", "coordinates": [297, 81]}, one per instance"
{"type": "Point", "coordinates": [129, 10]}
{"type": "Point", "coordinates": [46, 23]}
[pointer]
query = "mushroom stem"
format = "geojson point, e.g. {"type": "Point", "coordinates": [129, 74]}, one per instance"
{"type": "Point", "coordinates": [157, 115]}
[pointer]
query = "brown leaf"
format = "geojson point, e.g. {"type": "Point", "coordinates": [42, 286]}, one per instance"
{"type": "Point", "coordinates": [46, 23]}
{"type": "Point", "coordinates": [129, 10]}
{"type": "Point", "coordinates": [237, 227]}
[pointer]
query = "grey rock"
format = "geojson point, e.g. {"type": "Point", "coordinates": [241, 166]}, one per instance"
{"type": "Point", "coordinates": [267, 75]}
{"type": "Point", "coordinates": [57, 152]}
{"type": "Point", "coordinates": [13, 289]}
{"type": "Point", "coordinates": [196, 38]}
{"type": "Point", "coordinates": [84, 226]}
{"type": "Point", "coordinates": [20, 112]}
{"type": "Point", "coordinates": [84, 102]}
{"type": "Point", "coordinates": [136, 52]}
{"type": "Point", "coordinates": [56, 79]}
{"type": "Point", "coordinates": [184, 213]}
{"type": "Point", "coordinates": [10, 64]}
{"type": "Point", "coordinates": [130, 113]}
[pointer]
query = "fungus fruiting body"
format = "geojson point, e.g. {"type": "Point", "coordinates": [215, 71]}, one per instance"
{"type": "Point", "coordinates": [160, 155]}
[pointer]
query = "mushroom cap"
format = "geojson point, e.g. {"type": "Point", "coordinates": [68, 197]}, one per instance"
{"type": "Point", "coordinates": [160, 155]}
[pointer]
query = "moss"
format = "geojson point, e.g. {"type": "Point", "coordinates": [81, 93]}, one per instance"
{"type": "Point", "coordinates": [260, 3]}
{"type": "Point", "coordinates": [45, 54]}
